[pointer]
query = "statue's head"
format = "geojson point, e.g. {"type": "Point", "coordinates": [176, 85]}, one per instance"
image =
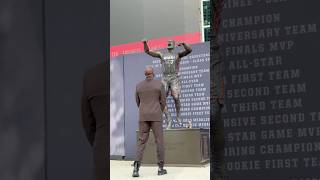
{"type": "Point", "coordinates": [171, 45]}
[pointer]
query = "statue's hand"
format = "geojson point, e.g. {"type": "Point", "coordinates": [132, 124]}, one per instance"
{"type": "Point", "coordinates": [144, 40]}
{"type": "Point", "coordinates": [180, 44]}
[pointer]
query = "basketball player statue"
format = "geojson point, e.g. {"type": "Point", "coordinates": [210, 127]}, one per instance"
{"type": "Point", "coordinates": [170, 78]}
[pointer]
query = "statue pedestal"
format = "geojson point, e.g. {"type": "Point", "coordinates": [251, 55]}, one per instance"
{"type": "Point", "coordinates": [183, 147]}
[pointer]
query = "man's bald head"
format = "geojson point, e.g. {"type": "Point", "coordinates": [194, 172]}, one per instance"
{"type": "Point", "coordinates": [148, 72]}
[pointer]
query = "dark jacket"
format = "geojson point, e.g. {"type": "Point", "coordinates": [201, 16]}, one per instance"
{"type": "Point", "coordinates": [151, 100]}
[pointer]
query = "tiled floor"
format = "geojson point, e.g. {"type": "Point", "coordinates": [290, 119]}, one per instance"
{"type": "Point", "coordinates": [122, 170]}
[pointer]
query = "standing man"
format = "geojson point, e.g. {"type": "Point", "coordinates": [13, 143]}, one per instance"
{"type": "Point", "coordinates": [94, 117]}
{"type": "Point", "coordinates": [170, 78]}
{"type": "Point", "coordinates": [151, 101]}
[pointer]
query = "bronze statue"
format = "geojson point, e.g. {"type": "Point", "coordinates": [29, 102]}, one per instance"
{"type": "Point", "coordinates": [170, 78]}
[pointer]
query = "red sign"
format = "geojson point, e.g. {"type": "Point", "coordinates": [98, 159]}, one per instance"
{"type": "Point", "coordinates": [154, 44]}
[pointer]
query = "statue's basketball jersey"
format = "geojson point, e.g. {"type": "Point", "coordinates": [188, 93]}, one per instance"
{"type": "Point", "coordinates": [170, 64]}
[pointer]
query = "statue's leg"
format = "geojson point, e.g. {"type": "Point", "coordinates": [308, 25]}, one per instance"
{"type": "Point", "coordinates": [168, 117]}
{"type": "Point", "coordinates": [176, 97]}
{"type": "Point", "coordinates": [165, 111]}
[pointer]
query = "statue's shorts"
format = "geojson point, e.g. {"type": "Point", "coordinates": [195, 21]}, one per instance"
{"type": "Point", "coordinates": [171, 83]}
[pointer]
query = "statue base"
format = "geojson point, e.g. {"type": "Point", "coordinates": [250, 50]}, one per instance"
{"type": "Point", "coordinates": [183, 147]}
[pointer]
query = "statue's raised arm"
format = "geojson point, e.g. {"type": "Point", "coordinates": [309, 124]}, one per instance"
{"type": "Point", "coordinates": [148, 51]}
{"type": "Point", "coordinates": [187, 49]}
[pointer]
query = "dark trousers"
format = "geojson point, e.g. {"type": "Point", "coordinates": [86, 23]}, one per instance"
{"type": "Point", "coordinates": [100, 160]}
{"type": "Point", "coordinates": [144, 129]}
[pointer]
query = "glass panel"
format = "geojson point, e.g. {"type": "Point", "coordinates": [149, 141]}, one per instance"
{"type": "Point", "coordinates": [207, 34]}
{"type": "Point", "coordinates": [206, 13]}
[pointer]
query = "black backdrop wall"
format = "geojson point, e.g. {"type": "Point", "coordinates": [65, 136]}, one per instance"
{"type": "Point", "coordinates": [46, 46]}
{"type": "Point", "coordinates": [271, 119]}
{"type": "Point", "coordinates": [21, 91]}
{"type": "Point", "coordinates": [76, 39]}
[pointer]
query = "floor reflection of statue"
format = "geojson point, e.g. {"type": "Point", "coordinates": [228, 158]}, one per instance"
{"type": "Point", "coordinates": [170, 78]}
